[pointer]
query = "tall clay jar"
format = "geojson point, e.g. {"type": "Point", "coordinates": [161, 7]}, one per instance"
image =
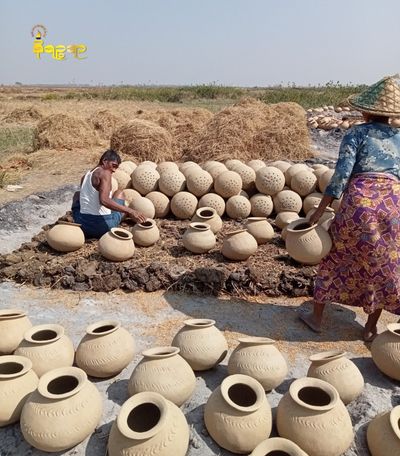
{"type": "Point", "coordinates": [149, 424]}
{"type": "Point", "coordinates": [17, 381]}
{"type": "Point", "coordinates": [237, 414]}
{"type": "Point", "coordinates": [277, 446]}
{"type": "Point", "coordinates": [385, 351]}
{"type": "Point", "coordinates": [208, 215]}
{"type": "Point", "coordinates": [239, 245]}
{"type": "Point", "coordinates": [260, 229]}
{"type": "Point", "coordinates": [47, 347]}
{"type": "Point", "coordinates": [64, 410]}
{"type": "Point", "coordinates": [313, 416]}
{"type": "Point", "coordinates": [163, 371]}
{"type": "Point", "coordinates": [117, 245]}
{"type": "Point", "coordinates": [259, 358]}
{"type": "Point", "coordinates": [383, 433]}
{"type": "Point", "coordinates": [13, 324]}
{"type": "Point", "coordinates": [105, 350]}
{"type": "Point", "coordinates": [340, 372]}
{"type": "Point", "coordinates": [199, 238]}
{"type": "Point", "coordinates": [201, 344]}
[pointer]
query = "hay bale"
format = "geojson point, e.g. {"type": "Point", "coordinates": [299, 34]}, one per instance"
{"type": "Point", "coordinates": [105, 122]}
{"type": "Point", "coordinates": [23, 115]}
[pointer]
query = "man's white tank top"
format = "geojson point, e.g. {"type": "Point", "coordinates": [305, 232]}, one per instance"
{"type": "Point", "coordinates": [89, 198]}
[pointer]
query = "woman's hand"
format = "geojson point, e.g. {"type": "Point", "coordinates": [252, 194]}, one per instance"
{"type": "Point", "coordinates": [137, 216]}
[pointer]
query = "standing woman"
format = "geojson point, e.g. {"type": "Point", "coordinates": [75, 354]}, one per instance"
{"type": "Point", "coordinates": [363, 266]}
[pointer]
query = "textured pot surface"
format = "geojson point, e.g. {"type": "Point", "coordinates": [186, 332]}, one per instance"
{"type": "Point", "coordinates": [13, 324]}
{"type": "Point", "coordinates": [269, 180]}
{"type": "Point", "coordinates": [146, 233]}
{"type": "Point", "coordinates": [227, 184]}
{"type": "Point", "coordinates": [383, 433]}
{"type": "Point", "coordinates": [214, 201]}
{"type": "Point", "coordinates": [385, 351]}
{"type": "Point", "coordinates": [210, 216]}
{"type": "Point", "coordinates": [199, 238]}
{"type": "Point", "coordinates": [117, 245]}
{"type": "Point", "coordinates": [277, 446]}
{"type": "Point", "coordinates": [260, 229]}
{"type": "Point", "coordinates": [65, 237]}
{"type": "Point", "coordinates": [184, 205]}
{"type": "Point", "coordinates": [239, 245]}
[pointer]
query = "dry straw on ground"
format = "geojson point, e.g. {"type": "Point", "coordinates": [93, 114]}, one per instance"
{"type": "Point", "coordinates": [23, 115]}
{"type": "Point", "coordinates": [105, 122]}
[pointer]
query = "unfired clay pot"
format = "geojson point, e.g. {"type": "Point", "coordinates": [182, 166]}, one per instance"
{"type": "Point", "coordinates": [292, 170]}
{"type": "Point", "coordinates": [123, 178]}
{"type": "Point", "coordinates": [145, 179]}
{"type": "Point", "coordinates": [239, 245]}
{"type": "Point", "coordinates": [160, 202]}
{"type": "Point", "coordinates": [326, 218]}
{"type": "Point", "coordinates": [324, 179]}
{"type": "Point", "coordinates": [17, 381]}
{"type": "Point", "coordinates": [287, 201]}
{"type": "Point", "coordinates": [163, 371]}
{"type": "Point", "coordinates": [237, 414]}
{"type": "Point", "coordinates": [208, 215]}
{"type": "Point", "coordinates": [277, 446]}
{"type": "Point", "coordinates": [340, 372]}
{"type": "Point", "coordinates": [198, 238]}
{"type": "Point", "coordinates": [281, 164]}
{"type": "Point", "coordinates": [270, 180]}
{"type": "Point", "coordinates": [117, 245]}
{"type": "Point", "coordinates": [313, 416]}
{"type": "Point", "coordinates": [201, 344]}
{"type": "Point", "coordinates": [183, 205]}
{"type": "Point", "coordinates": [64, 410]}
{"type": "Point", "coordinates": [385, 351]}
{"type": "Point", "coordinates": [383, 433]}
{"type": "Point", "coordinates": [105, 350]}
{"type": "Point", "coordinates": [149, 424]}
{"type": "Point", "coordinates": [284, 218]}
{"type": "Point", "coordinates": [260, 229]}
{"type": "Point", "coordinates": [199, 182]}
{"type": "Point", "coordinates": [13, 324]}
{"type": "Point", "coordinates": [247, 175]}
{"type": "Point", "coordinates": [166, 166]}
{"type": "Point", "coordinates": [304, 182]}
{"type": "Point", "coordinates": [227, 184]}
{"type": "Point", "coordinates": [65, 237]}
{"type": "Point", "coordinates": [261, 205]}
{"type": "Point", "coordinates": [256, 164]}
{"type": "Point", "coordinates": [214, 201]}
{"type": "Point", "coordinates": [130, 195]}
{"type": "Point", "coordinates": [259, 358]}
{"type": "Point", "coordinates": [171, 182]}
{"type": "Point", "coordinates": [146, 233]}
{"type": "Point", "coordinates": [238, 207]}
{"type": "Point", "coordinates": [143, 205]}
{"type": "Point", "coordinates": [311, 200]}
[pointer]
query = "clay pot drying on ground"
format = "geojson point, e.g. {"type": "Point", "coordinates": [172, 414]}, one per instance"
{"type": "Point", "coordinates": [117, 245]}
{"type": "Point", "coordinates": [143, 205]}
{"type": "Point", "coordinates": [201, 344]}
{"type": "Point", "coordinates": [186, 170]}
{"type": "Point", "coordinates": [145, 179]}
{"type": "Point", "coordinates": [326, 218]}
{"type": "Point", "coordinates": [259, 358]}
{"type": "Point", "coordinates": [383, 433]}
{"type": "Point", "coordinates": [324, 179]}
{"type": "Point", "coordinates": [13, 324]}
{"type": "Point", "coordinates": [304, 182]}
{"type": "Point", "coordinates": [65, 237]}
{"type": "Point", "coordinates": [281, 165]}
{"type": "Point", "coordinates": [256, 164]}
{"type": "Point", "coordinates": [231, 162]}
{"type": "Point", "coordinates": [247, 175]}
{"type": "Point", "coordinates": [284, 218]}
{"type": "Point", "coordinates": [340, 372]}
{"type": "Point", "coordinates": [130, 195]}
{"type": "Point", "coordinates": [47, 347]}
{"type": "Point", "coordinates": [17, 381]}
{"type": "Point", "coordinates": [184, 205]}
{"type": "Point", "coordinates": [123, 178]}
{"type": "Point", "coordinates": [64, 410]}
{"type": "Point", "coordinates": [208, 215]}
{"type": "Point", "coordinates": [171, 182]}
{"type": "Point", "coordinates": [214, 201]}
{"type": "Point", "coordinates": [320, 171]}
{"type": "Point", "coordinates": [261, 205]}
{"type": "Point", "coordinates": [239, 245]}
{"type": "Point", "coordinates": [162, 370]}
{"type": "Point", "coordinates": [237, 414]}
{"type": "Point", "coordinates": [292, 170]}
{"type": "Point", "coordinates": [198, 238]}
{"type": "Point", "coordinates": [160, 202]}
{"type": "Point", "coordinates": [128, 166]}
{"type": "Point", "coordinates": [385, 351]}
{"type": "Point", "coordinates": [260, 229]}
{"type": "Point", "coordinates": [105, 350]}
{"type": "Point", "coordinates": [216, 169]}
{"type": "Point", "coordinates": [311, 200]}
{"type": "Point", "coordinates": [269, 180]}
{"type": "Point", "coordinates": [238, 207]}
{"type": "Point", "coordinates": [228, 184]}
{"type": "Point", "coordinates": [166, 166]}
{"type": "Point", "coordinates": [277, 446]}
{"type": "Point", "coordinates": [199, 182]}
{"type": "Point", "coordinates": [287, 201]}
{"type": "Point", "coordinates": [149, 424]}
{"type": "Point", "coordinates": [146, 233]}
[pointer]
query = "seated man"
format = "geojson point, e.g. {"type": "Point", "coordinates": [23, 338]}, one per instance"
{"type": "Point", "coordinates": [95, 208]}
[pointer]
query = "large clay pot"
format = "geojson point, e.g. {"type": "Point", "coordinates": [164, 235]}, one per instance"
{"type": "Point", "coordinates": [340, 372]}
{"type": "Point", "coordinates": [307, 243]}
{"type": "Point", "coordinates": [160, 202]}
{"type": "Point", "coordinates": [162, 370]}
{"type": "Point", "coordinates": [326, 218]}
{"type": "Point", "coordinates": [287, 201]}
{"type": "Point", "coordinates": [227, 184]}
{"type": "Point", "coordinates": [123, 178]}
{"type": "Point", "coordinates": [292, 170]}
{"type": "Point", "coordinates": [146, 233]}
{"type": "Point", "coordinates": [145, 179]}
{"type": "Point", "coordinates": [238, 207]}
{"type": "Point", "coordinates": [208, 215]}
{"type": "Point", "coordinates": [183, 205]}
{"type": "Point", "coordinates": [239, 245]}
{"type": "Point", "coordinates": [117, 245]}
{"type": "Point", "coordinates": [13, 324]}
{"type": "Point", "coordinates": [385, 351]}
{"type": "Point", "coordinates": [261, 205]}
{"type": "Point", "coordinates": [199, 238]}
{"type": "Point", "coordinates": [105, 350]}
{"type": "Point", "coordinates": [214, 201]}
{"type": "Point", "coordinates": [64, 410]}
{"type": "Point", "coordinates": [259, 358]}
{"type": "Point", "coordinates": [47, 347]}
{"type": "Point", "coordinates": [17, 381]}
{"type": "Point", "coordinates": [247, 175]}
{"type": "Point", "coordinates": [313, 416]}
{"type": "Point", "coordinates": [260, 229]}
{"type": "Point", "coordinates": [325, 179]}
{"type": "Point", "coordinates": [201, 344]}
{"type": "Point", "coordinates": [270, 180]}
{"type": "Point", "coordinates": [284, 218]}
{"type": "Point", "coordinates": [237, 414]}
{"type": "Point", "coordinates": [199, 182]}
{"type": "Point", "coordinates": [65, 237]}
{"type": "Point", "coordinates": [304, 182]}
{"type": "Point", "coordinates": [383, 434]}
{"type": "Point", "coordinates": [277, 446]}
{"type": "Point", "coordinates": [256, 164]}
{"type": "Point", "coordinates": [149, 424]}
{"type": "Point", "coordinates": [311, 200]}
{"type": "Point", "coordinates": [171, 182]}
{"type": "Point", "coordinates": [143, 205]}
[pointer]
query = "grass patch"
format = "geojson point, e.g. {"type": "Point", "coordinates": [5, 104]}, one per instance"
{"type": "Point", "coordinates": [16, 139]}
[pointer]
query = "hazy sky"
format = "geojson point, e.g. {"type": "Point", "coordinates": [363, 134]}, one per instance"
{"type": "Point", "coordinates": [230, 42]}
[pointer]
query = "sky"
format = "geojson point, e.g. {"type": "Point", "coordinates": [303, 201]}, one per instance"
{"type": "Point", "coordinates": [185, 42]}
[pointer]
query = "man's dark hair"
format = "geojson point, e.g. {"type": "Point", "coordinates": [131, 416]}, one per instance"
{"type": "Point", "coordinates": [110, 155]}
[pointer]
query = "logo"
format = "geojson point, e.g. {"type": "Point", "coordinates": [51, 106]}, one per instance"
{"type": "Point", "coordinates": [57, 52]}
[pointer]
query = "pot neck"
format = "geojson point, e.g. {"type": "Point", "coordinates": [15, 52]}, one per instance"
{"type": "Point", "coordinates": [314, 394]}
{"type": "Point", "coordinates": [103, 327]}
{"type": "Point", "coordinates": [161, 352]}
{"type": "Point", "coordinates": [11, 314]}
{"type": "Point", "coordinates": [13, 366]}
{"type": "Point", "coordinates": [326, 357]}
{"type": "Point", "coordinates": [243, 393]}
{"type": "Point", "coordinates": [199, 323]}
{"type": "Point", "coordinates": [247, 341]}
{"type": "Point", "coordinates": [44, 334]}
{"type": "Point", "coordinates": [62, 383]}
{"type": "Point", "coordinates": [394, 328]}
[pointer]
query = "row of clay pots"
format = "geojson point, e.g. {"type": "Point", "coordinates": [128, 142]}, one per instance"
{"type": "Point", "coordinates": [331, 122]}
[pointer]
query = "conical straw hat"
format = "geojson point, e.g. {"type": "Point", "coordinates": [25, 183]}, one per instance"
{"type": "Point", "coordinates": [382, 98]}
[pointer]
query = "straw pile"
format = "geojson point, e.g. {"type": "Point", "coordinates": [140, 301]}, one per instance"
{"type": "Point", "coordinates": [23, 115]}
{"type": "Point", "coordinates": [105, 122]}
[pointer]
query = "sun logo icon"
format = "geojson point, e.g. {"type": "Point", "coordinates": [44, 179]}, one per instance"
{"type": "Point", "coordinates": [38, 32]}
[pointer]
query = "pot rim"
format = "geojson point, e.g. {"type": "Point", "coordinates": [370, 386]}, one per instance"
{"type": "Point", "coordinates": [277, 443]}
{"type": "Point", "coordinates": [294, 223]}
{"type": "Point", "coordinates": [98, 324]}
{"type": "Point", "coordinates": [252, 383]}
{"type": "Point", "coordinates": [394, 418]}
{"type": "Point", "coordinates": [199, 226]}
{"type": "Point", "coordinates": [11, 314]}
{"type": "Point", "coordinates": [231, 233]}
{"type": "Point", "coordinates": [161, 352]}
{"type": "Point", "coordinates": [304, 382]}
{"type": "Point", "coordinates": [393, 327]}
{"type": "Point", "coordinates": [255, 219]}
{"type": "Point", "coordinates": [58, 329]}
{"type": "Point", "coordinates": [327, 209]}
{"type": "Point", "coordinates": [71, 371]}
{"type": "Point", "coordinates": [206, 208]}
{"type": "Point", "coordinates": [199, 323]}
{"type": "Point", "coordinates": [62, 222]}
{"type": "Point", "coordinates": [326, 356]}
{"type": "Point", "coordinates": [128, 234]}
{"type": "Point", "coordinates": [147, 227]}
{"type": "Point", "coordinates": [254, 340]}
{"type": "Point", "coordinates": [26, 364]}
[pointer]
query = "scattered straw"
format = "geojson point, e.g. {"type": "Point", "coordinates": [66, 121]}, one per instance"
{"type": "Point", "coordinates": [23, 115]}
{"type": "Point", "coordinates": [105, 122]}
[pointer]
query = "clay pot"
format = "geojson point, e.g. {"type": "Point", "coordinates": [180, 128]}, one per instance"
{"type": "Point", "coordinates": [160, 202]}
{"type": "Point", "coordinates": [117, 245]}
{"type": "Point", "coordinates": [239, 245]}
{"type": "Point", "coordinates": [284, 218]}
{"type": "Point", "coordinates": [47, 347]}
{"type": "Point", "coordinates": [17, 381]}
{"type": "Point", "coordinates": [304, 182]}
{"type": "Point", "coordinates": [238, 207]}
{"type": "Point", "coordinates": [186, 170]}
{"type": "Point", "coordinates": [198, 238]}
{"type": "Point", "coordinates": [261, 205]}
{"type": "Point", "coordinates": [256, 164]}
{"type": "Point", "coordinates": [201, 344]}
{"type": "Point", "coordinates": [270, 180]}
{"type": "Point", "coordinates": [228, 184]}
{"type": "Point", "coordinates": [214, 201]}
{"type": "Point", "coordinates": [385, 351]}
{"type": "Point", "coordinates": [105, 350]}
{"type": "Point", "coordinates": [287, 201]}
{"type": "Point", "coordinates": [281, 165]}
{"type": "Point", "coordinates": [128, 166]}
{"type": "Point", "coordinates": [162, 370]}
{"type": "Point", "coordinates": [320, 171]}
{"type": "Point", "coordinates": [216, 169]}
{"type": "Point", "coordinates": [13, 324]}
{"type": "Point", "coordinates": [340, 372]}
{"type": "Point", "coordinates": [114, 185]}
{"type": "Point", "coordinates": [183, 205]}
{"type": "Point", "coordinates": [199, 182]}
{"type": "Point", "coordinates": [123, 179]}
{"type": "Point", "coordinates": [167, 166]}
{"type": "Point", "coordinates": [145, 179]}
{"type": "Point", "coordinates": [171, 182]}
{"type": "Point", "coordinates": [326, 218]}
{"type": "Point", "coordinates": [307, 243]}
{"type": "Point", "coordinates": [208, 215]}
{"type": "Point", "coordinates": [210, 163]}
{"type": "Point", "coordinates": [149, 424]}
{"type": "Point", "coordinates": [65, 237]}
{"type": "Point", "coordinates": [259, 358]}
{"type": "Point", "coordinates": [292, 170]}
{"type": "Point", "coordinates": [146, 233]}
{"type": "Point", "coordinates": [231, 162]}
{"type": "Point", "coordinates": [143, 205]}
{"type": "Point", "coordinates": [260, 229]}
{"type": "Point", "coordinates": [247, 174]}
{"type": "Point", "coordinates": [130, 195]}
{"type": "Point", "coordinates": [237, 414]}
{"type": "Point", "coordinates": [64, 410]}
{"type": "Point", "coordinates": [383, 433]}
{"type": "Point", "coordinates": [313, 416]}
{"type": "Point", "coordinates": [324, 179]}
{"type": "Point", "coordinates": [149, 163]}
{"type": "Point", "coordinates": [277, 446]}
{"type": "Point", "coordinates": [311, 200]}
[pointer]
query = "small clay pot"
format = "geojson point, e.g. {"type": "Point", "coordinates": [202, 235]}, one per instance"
{"type": "Point", "coordinates": [270, 180]}
{"type": "Point", "coordinates": [65, 237]}
{"type": "Point", "coordinates": [385, 351]}
{"type": "Point", "coordinates": [143, 205]}
{"type": "Point", "coordinates": [311, 200]}
{"type": "Point", "coordinates": [199, 238]}
{"type": "Point", "coordinates": [277, 446]}
{"type": "Point", "coordinates": [146, 233]}
{"type": "Point", "coordinates": [13, 324]}
{"type": "Point", "coordinates": [239, 245]}
{"type": "Point", "coordinates": [284, 218]}
{"type": "Point", "coordinates": [117, 245]}
{"type": "Point", "coordinates": [208, 215]}
{"type": "Point", "coordinates": [260, 229]}
{"type": "Point", "coordinates": [383, 433]}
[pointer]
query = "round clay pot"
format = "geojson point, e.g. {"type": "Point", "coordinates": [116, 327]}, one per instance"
{"type": "Point", "coordinates": [123, 179]}
{"type": "Point", "coordinates": [270, 180]}
{"type": "Point", "coordinates": [65, 237]}
{"type": "Point", "coordinates": [117, 245]}
{"type": "Point", "coordinates": [385, 351]}
{"type": "Point", "coordinates": [228, 184]}
{"type": "Point", "coordinates": [231, 162]}
{"type": "Point", "coordinates": [201, 344]}
{"type": "Point", "coordinates": [238, 207]}
{"type": "Point", "coordinates": [326, 218]}
{"type": "Point", "coordinates": [311, 200]}
{"type": "Point", "coordinates": [47, 347]}
{"type": "Point", "coordinates": [214, 201]}
{"type": "Point", "coordinates": [149, 163]}
{"type": "Point", "coordinates": [128, 166]}
{"type": "Point", "coordinates": [186, 170]}
{"type": "Point", "coordinates": [320, 171]}
{"type": "Point", "coordinates": [130, 195]}
{"type": "Point", "coordinates": [167, 166]}
{"type": "Point", "coordinates": [383, 433]}
{"type": "Point", "coordinates": [261, 205]}
{"type": "Point", "coordinates": [199, 182]}
{"type": "Point", "coordinates": [256, 164]}
{"type": "Point", "coordinates": [210, 163]}
{"type": "Point", "coordinates": [304, 182]}
{"type": "Point", "coordinates": [277, 446]}
{"type": "Point", "coordinates": [247, 174]}
{"type": "Point", "coordinates": [145, 179]}
{"type": "Point", "coordinates": [198, 238]}
{"type": "Point", "coordinates": [260, 229]}
{"type": "Point", "coordinates": [281, 165]}
{"type": "Point", "coordinates": [259, 358]}
{"type": "Point", "coordinates": [284, 218]}
{"type": "Point", "coordinates": [149, 424]}
{"type": "Point", "coordinates": [114, 185]}
{"type": "Point", "coordinates": [287, 201]}
{"type": "Point", "coordinates": [292, 170]}
{"type": "Point", "coordinates": [340, 372]}
{"type": "Point", "coordinates": [216, 169]}
{"type": "Point", "coordinates": [237, 414]}
{"type": "Point", "coordinates": [13, 324]}
{"type": "Point", "coordinates": [324, 179]}
{"type": "Point", "coordinates": [171, 182]}
{"type": "Point", "coordinates": [146, 233]}
{"type": "Point", "coordinates": [313, 416]}
{"type": "Point", "coordinates": [160, 202]}
{"type": "Point", "coordinates": [239, 245]}
{"type": "Point", "coordinates": [187, 164]}
{"type": "Point", "coordinates": [183, 205]}
{"type": "Point", "coordinates": [64, 410]}
{"type": "Point", "coordinates": [162, 370]}
{"type": "Point", "coordinates": [307, 243]}
{"type": "Point", "coordinates": [208, 215]}
{"type": "Point", "coordinates": [143, 205]}
{"type": "Point", "coordinates": [105, 350]}
{"type": "Point", "coordinates": [17, 381]}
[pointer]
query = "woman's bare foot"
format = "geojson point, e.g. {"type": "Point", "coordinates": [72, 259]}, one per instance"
{"type": "Point", "coordinates": [309, 319]}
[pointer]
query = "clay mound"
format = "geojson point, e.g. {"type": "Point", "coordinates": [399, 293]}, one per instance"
{"type": "Point", "coordinates": [59, 131]}
{"type": "Point", "coordinates": [105, 122]}
{"type": "Point", "coordinates": [23, 115]}
{"type": "Point", "coordinates": [143, 140]}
